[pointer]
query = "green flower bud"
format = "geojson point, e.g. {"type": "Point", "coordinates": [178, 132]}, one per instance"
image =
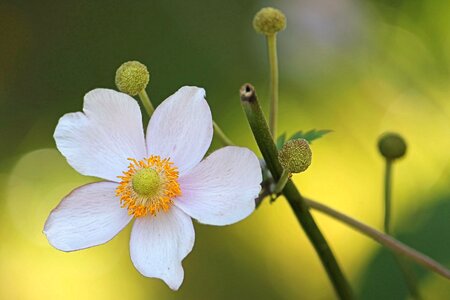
{"type": "Point", "coordinates": [269, 21]}
{"type": "Point", "coordinates": [132, 77]}
{"type": "Point", "coordinates": [392, 146]}
{"type": "Point", "coordinates": [295, 156]}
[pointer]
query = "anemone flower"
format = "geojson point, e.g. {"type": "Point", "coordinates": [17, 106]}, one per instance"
{"type": "Point", "coordinates": [159, 180]}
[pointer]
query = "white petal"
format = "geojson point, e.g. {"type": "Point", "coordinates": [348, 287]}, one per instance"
{"type": "Point", "coordinates": [181, 128]}
{"type": "Point", "coordinates": [159, 243]}
{"type": "Point", "coordinates": [221, 190]}
{"type": "Point", "coordinates": [99, 141]}
{"type": "Point", "coordinates": [91, 215]}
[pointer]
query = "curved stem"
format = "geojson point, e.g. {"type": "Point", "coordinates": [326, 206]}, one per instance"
{"type": "Point", "coordinates": [145, 99]}
{"type": "Point", "coordinates": [221, 135]}
{"type": "Point", "coordinates": [273, 61]}
{"type": "Point", "coordinates": [281, 182]}
{"type": "Point", "coordinates": [383, 239]}
{"type": "Point", "coordinates": [268, 149]}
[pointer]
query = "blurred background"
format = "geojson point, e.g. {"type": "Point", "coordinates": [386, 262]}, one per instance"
{"type": "Point", "coordinates": [359, 68]}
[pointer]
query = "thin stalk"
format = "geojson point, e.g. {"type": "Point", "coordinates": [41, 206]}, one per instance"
{"type": "Point", "coordinates": [273, 61]}
{"type": "Point", "coordinates": [384, 239]}
{"type": "Point", "coordinates": [268, 149]}
{"type": "Point", "coordinates": [145, 99]}
{"type": "Point", "coordinates": [407, 273]}
{"type": "Point", "coordinates": [387, 196]}
{"type": "Point", "coordinates": [221, 135]}
{"type": "Point", "coordinates": [282, 182]}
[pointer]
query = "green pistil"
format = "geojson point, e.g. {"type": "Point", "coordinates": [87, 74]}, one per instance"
{"type": "Point", "coordinates": [146, 182]}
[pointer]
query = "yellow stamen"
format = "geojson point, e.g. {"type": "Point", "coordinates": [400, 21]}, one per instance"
{"type": "Point", "coordinates": [148, 186]}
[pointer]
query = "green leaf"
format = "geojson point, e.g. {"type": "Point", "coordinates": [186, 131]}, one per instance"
{"type": "Point", "coordinates": [281, 140]}
{"type": "Point", "coordinates": [310, 135]}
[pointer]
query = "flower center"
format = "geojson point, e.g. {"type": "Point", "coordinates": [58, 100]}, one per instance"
{"type": "Point", "coordinates": [148, 186]}
{"type": "Point", "coordinates": [146, 182]}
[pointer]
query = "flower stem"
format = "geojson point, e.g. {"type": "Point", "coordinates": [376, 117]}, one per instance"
{"type": "Point", "coordinates": [273, 61]}
{"type": "Point", "coordinates": [146, 102]}
{"type": "Point", "coordinates": [268, 149]}
{"type": "Point", "coordinates": [387, 196]}
{"type": "Point", "coordinates": [384, 239]}
{"type": "Point", "coordinates": [407, 272]}
{"type": "Point", "coordinates": [221, 135]}
{"type": "Point", "coordinates": [281, 182]}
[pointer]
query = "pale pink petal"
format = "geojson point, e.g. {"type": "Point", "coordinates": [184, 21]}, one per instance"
{"type": "Point", "coordinates": [91, 215]}
{"type": "Point", "coordinates": [181, 128]}
{"type": "Point", "coordinates": [98, 141]}
{"type": "Point", "coordinates": [221, 190]}
{"type": "Point", "coordinates": [159, 243]}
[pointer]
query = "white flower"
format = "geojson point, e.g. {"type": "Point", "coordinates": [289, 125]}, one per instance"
{"type": "Point", "coordinates": [160, 180]}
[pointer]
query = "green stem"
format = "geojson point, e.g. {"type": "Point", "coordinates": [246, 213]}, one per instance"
{"type": "Point", "coordinates": [268, 149]}
{"type": "Point", "coordinates": [146, 102]}
{"type": "Point", "coordinates": [407, 272]}
{"type": "Point", "coordinates": [384, 239]}
{"type": "Point", "coordinates": [273, 61]}
{"type": "Point", "coordinates": [387, 196]}
{"type": "Point", "coordinates": [221, 135]}
{"type": "Point", "coordinates": [282, 182]}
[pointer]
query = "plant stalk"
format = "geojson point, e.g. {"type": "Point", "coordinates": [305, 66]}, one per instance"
{"type": "Point", "coordinates": [384, 239]}
{"type": "Point", "coordinates": [268, 149]}
{"type": "Point", "coordinates": [281, 182]}
{"type": "Point", "coordinates": [407, 272]}
{"type": "Point", "coordinates": [221, 135]}
{"type": "Point", "coordinates": [387, 196]}
{"type": "Point", "coordinates": [273, 61]}
{"type": "Point", "coordinates": [145, 99]}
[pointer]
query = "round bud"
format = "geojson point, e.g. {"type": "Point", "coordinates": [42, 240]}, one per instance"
{"type": "Point", "coordinates": [295, 156]}
{"type": "Point", "coordinates": [392, 145]}
{"type": "Point", "coordinates": [132, 77]}
{"type": "Point", "coordinates": [269, 21]}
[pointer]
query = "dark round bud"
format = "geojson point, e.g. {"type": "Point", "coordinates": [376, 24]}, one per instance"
{"type": "Point", "coordinates": [392, 145]}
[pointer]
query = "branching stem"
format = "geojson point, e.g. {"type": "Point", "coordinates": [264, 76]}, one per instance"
{"type": "Point", "coordinates": [268, 149]}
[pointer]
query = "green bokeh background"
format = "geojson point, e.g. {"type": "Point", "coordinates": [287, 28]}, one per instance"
{"type": "Point", "coordinates": [357, 67]}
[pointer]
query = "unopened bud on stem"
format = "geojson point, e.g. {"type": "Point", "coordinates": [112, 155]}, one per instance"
{"type": "Point", "coordinates": [392, 146]}
{"type": "Point", "coordinates": [132, 77]}
{"type": "Point", "coordinates": [269, 21]}
{"type": "Point", "coordinates": [295, 156]}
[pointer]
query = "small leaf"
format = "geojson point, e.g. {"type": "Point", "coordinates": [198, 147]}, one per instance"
{"type": "Point", "coordinates": [310, 135]}
{"type": "Point", "coordinates": [281, 140]}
